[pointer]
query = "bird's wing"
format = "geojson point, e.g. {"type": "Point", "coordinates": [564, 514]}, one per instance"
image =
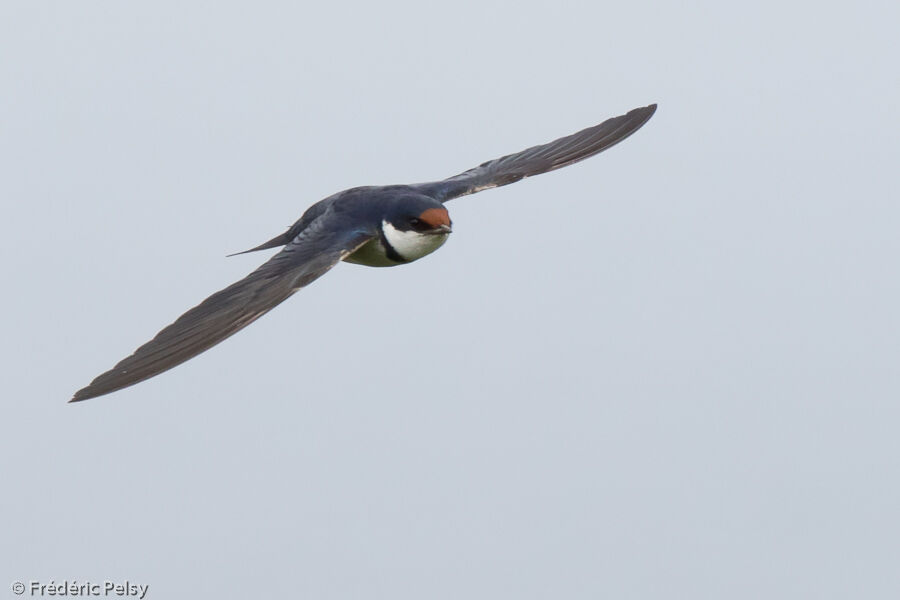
{"type": "Point", "coordinates": [309, 256]}
{"type": "Point", "coordinates": [540, 159]}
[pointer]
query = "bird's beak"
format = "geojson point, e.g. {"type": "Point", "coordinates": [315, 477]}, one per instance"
{"type": "Point", "coordinates": [441, 229]}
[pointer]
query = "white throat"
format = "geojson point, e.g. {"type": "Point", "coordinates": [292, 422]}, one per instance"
{"type": "Point", "coordinates": [412, 245]}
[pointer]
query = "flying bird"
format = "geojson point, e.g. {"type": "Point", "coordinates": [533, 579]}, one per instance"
{"type": "Point", "coordinates": [377, 226]}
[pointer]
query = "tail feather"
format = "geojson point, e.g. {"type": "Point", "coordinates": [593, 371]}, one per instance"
{"type": "Point", "coordinates": [275, 242]}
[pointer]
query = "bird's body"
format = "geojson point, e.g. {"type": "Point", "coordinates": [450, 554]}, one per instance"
{"type": "Point", "coordinates": [374, 226]}
{"type": "Point", "coordinates": [404, 224]}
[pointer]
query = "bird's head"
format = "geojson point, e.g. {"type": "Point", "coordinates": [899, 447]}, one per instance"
{"type": "Point", "coordinates": [416, 225]}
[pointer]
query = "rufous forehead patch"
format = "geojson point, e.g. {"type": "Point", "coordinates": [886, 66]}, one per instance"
{"type": "Point", "coordinates": [435, 217]}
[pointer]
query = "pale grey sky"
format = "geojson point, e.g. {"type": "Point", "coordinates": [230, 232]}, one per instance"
{"type": "Point", "coordinates": [668, 371]}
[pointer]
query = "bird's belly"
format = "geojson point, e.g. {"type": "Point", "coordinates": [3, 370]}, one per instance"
{"type": "Point", "coordinates": [372, 254]}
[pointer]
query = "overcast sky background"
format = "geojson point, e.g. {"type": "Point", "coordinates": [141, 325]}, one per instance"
{"type": "Point", "coordinates": [668, 371]}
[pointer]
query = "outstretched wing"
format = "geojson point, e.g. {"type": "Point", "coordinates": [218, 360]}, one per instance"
{"type": "Point", "coordinates": [540, 159]}
{"type": "Point", "coordinates": [309, 256]}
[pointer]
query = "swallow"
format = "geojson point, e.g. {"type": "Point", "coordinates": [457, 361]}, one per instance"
{"type": "Point", "coordinates": [376, 226]}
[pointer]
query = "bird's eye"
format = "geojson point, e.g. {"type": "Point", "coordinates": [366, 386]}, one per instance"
{"type": "Point", "coordinates": [414, 221]}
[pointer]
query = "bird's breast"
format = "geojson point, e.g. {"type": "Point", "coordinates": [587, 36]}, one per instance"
{"type": "Point", "coordinates": [395, 247]}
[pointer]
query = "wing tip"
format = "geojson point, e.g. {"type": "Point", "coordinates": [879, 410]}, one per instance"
{"type": "Point", "coordinates": [98, 387]}
{"type": "Point", "coordinates": [634, 119]}
{"type": "Point", "coordinates": [645, 111]}
{"type": "Point", "coordinates": [83, 394]}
